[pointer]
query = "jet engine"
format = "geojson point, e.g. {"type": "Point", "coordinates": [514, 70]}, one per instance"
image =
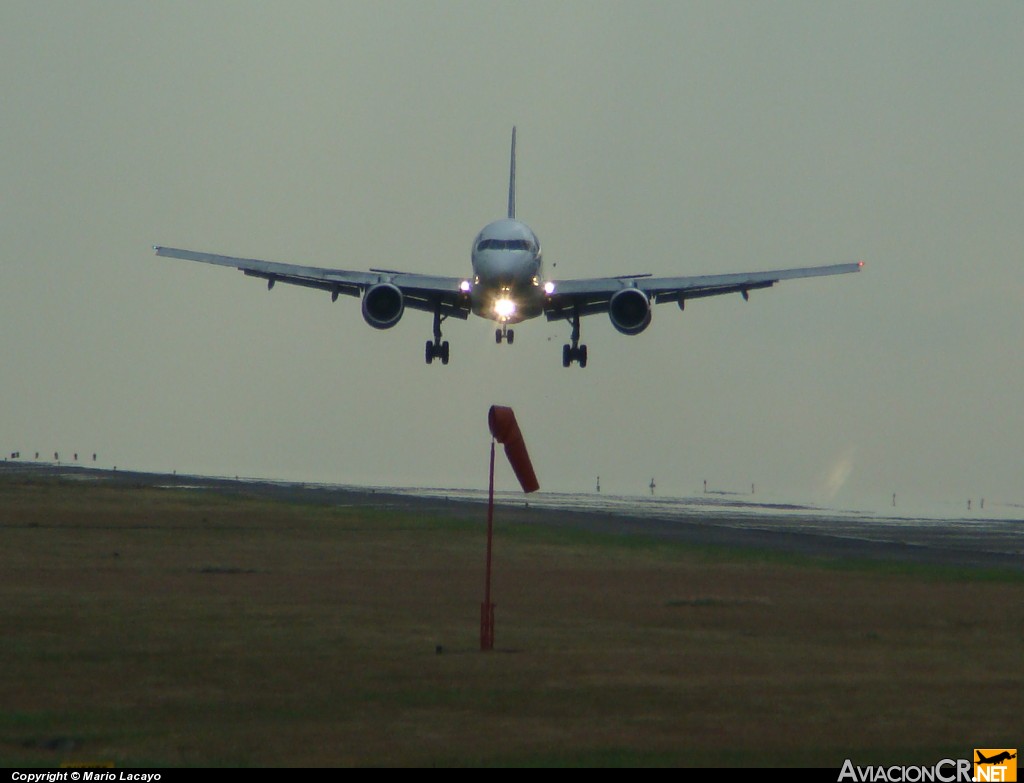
{"type": "Point", "coordinates": [383, 305]}
{"type": "Point", "coordinates": [630, 310]}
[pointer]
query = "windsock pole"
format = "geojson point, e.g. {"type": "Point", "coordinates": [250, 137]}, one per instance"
{"type": "Point", "coordinates": [487, 608]}
{"type": "Point", "coordinates": [505, 430]}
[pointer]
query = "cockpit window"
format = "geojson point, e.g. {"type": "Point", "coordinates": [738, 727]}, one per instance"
{"type": "Point", "coordinates": [505, 244]}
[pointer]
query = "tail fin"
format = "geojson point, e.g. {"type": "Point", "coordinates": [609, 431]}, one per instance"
{"type": "Point", "coordinates": [512, 179]}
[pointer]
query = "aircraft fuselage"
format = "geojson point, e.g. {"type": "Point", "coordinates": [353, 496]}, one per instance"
{"type": "Point", "coordinates": [507, 284]}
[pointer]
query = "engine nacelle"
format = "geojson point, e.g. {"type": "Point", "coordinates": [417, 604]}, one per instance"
{"type": "Point", "coordinates": [383, 305]}
{"type": "Point", "coordinates": [630, 310]}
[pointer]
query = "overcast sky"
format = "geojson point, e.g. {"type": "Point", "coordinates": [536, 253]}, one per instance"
{"type": "Point", "coordinates": [671, 138]}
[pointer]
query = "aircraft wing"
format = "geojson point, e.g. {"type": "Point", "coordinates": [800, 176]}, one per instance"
{"type": "Point", "coordinates": [593, 295]}
{"type": "Point", "coordinates": [421, 292]}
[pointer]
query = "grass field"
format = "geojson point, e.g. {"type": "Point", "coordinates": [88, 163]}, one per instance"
{"type": "Point", "coordinates": [167, 627]}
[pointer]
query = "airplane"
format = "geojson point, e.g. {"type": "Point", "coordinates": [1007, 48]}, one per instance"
{"type": "Point", "coordinates": [996, 759]}
{"type": "Point", "coordinates": [507, 286]}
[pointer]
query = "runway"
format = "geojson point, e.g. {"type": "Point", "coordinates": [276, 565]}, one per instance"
{"type": "Point", "coordinates": [994, 539]}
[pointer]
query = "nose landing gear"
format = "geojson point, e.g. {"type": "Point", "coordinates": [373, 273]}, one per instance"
{"type": "Point", "coordinates": [504, 333]}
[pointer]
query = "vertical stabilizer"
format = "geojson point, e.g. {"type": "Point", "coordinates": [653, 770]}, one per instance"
{"type": "Point", "coordinates": [512, 179]}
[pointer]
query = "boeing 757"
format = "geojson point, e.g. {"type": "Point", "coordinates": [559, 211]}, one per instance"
{"type": "Point", "coordinates": [507, 285]}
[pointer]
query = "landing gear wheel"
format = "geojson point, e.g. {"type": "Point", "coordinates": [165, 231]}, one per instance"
{"type": "Point", "coordinates": [497, 336]}
{"type": "Point", "coordinates": [572, 354]}
{"type": "Point", "coordinates": [429, 353]}
{"type": "Point", "coordinates": [444, 352]}
{"type": "Point", "coordinates": [510, 336]}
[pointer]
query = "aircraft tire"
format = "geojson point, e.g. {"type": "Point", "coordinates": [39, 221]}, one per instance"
{"type": "Point", "coordinates": [510, 337]}
{"type": "Point", "coordinates": [497, 336]}
{"type": "Point", "coordinates": [429, 353]}
{"type": "Point", "coordinates": [582, 356]}
{"type": "Point", "coordinates": [444, 352]}
{"type": "Point", "coordinates": [566, 355]}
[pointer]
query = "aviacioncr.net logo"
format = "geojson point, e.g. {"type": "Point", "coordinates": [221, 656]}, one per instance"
{"type": "Point", "coordinates": [944, 771]}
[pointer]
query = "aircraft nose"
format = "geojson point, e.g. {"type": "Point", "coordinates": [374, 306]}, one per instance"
{"type": "Point", "coordinates": [500, 266]}
{"type": "Point", "coordinates": [517, 266]}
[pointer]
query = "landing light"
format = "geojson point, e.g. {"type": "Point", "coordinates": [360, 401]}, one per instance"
{"type": "Point", "coordinates": [464, 286]}
{"type": "Point", "coordinates": [549, 288]}
{"type": "Point", "coordinates": [504, 308]}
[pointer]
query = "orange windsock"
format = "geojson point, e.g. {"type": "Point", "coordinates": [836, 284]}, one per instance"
{"type": "Point", "coordinates": [505, 430]}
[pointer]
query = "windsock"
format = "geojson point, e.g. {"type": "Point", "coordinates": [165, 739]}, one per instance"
{"type": "Point", "coordinates": [505, 430]}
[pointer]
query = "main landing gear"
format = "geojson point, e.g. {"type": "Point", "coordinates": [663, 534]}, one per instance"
{"type": "Point", "coordinates": [504, 333]}
{"type": "Point", "coordinates": [575, 352]}
{"type": "Point", "coordinates": [435, 348]}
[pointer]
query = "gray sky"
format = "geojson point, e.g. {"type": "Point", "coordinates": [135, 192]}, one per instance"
{"type": "Point", "coordinates": [672, 138]}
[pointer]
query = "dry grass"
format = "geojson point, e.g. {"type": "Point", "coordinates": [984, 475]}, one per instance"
{"type": "Point", "coordinates": [166, 627]}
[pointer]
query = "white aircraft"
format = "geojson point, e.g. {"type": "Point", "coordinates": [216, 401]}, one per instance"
{"type": "Point", "coordinates": [507, 286]}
